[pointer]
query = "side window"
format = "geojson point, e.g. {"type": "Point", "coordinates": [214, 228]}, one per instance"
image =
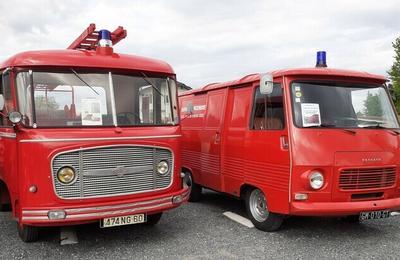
{"type": "Point", "coordinates": [5, 89]}
{"type": "Point", "coordinates": [268, 110]}
{"type": "Point", "coordinates": [214, 109]}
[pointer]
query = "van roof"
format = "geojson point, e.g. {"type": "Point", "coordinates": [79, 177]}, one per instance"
{"type": "Point", "coordinates": [84, 58]}
{"type": "Point", "coordinates": [288, 72]}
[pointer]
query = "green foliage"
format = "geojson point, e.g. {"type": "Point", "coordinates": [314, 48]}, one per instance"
{"type": "Point", "coordinates": [372, 105]}
{"type": "Point", "coordinates": [42, 104]}
{"type": "Point", "coordinates": [394, 73]}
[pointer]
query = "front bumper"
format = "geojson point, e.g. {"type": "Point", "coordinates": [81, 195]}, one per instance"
{"type": "Point", "coordinates": [342, 208]}
{"type": "Point", "coordinates": [86, 214]}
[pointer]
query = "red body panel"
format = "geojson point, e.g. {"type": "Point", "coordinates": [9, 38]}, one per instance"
{"type": "Point", "coordinates": [26, 154]}
{"type": "Point", "coordinates": [275, 161]}
{"type": "Point", "coordinates": [87, 59]}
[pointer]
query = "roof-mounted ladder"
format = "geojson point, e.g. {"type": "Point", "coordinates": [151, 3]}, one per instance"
{"type": "Point", "coordinates": [88, 40]}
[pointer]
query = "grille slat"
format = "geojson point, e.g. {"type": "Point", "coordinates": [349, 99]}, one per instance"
{"type": "Point", "coordinates": [367, 178]}
{"type": "Point", "coordinates": [96, 161]}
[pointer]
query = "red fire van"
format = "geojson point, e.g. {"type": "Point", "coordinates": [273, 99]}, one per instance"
{"type": "Point", "coordinates": [309, 142]}
{"type": "Point", "coordinates": [88, 135]}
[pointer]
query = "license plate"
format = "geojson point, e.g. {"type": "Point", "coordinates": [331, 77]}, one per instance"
{"type": "Point", "coordinates": [123, 220]}
{"type": "Point", "coordinates": [374, 214]}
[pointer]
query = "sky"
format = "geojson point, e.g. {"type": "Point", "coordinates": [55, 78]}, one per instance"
{"type": "Point", "coordinates": [214, 41]}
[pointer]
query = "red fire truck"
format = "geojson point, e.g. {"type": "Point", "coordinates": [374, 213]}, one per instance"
{"type": "Point", "coordinates": [88, 135]}
{"type": "Point", "coordinates": [308, 142]}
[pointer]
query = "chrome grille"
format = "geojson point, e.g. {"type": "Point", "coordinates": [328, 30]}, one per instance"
{"type": "Point", "coordinates": [367, 178]}
{"type": "Point", "coordinates": [110, 171]}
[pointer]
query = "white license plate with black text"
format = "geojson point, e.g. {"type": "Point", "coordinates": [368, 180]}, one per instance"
{"type": "Point", "coordinates": [374, 215]}
{"type": "Point", "coordinates": [123, 220]}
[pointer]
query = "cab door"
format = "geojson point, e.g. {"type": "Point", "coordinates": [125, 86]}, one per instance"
{"type": "Point", "coordinates": [8, 141]}
{"type": "Point", "coordinates": [211, 139]}
{"type": "Point", "coordinates": [267, 162]}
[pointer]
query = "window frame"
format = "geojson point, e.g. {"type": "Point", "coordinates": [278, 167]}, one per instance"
{"type": "Point", "coordinates": [5, 112]}
{"type": "Point", "coordinates": [98, 70]}
{"type": "Point", "coordinates": [251, 123]}
{"type": "Point", "coordinates": [342, 84]}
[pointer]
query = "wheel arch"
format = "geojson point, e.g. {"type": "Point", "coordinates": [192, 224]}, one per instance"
{"type": "Point", "coordinates": [187, 170]}
{"type": "Point", "coordinates": [5, 197]}
{"type": "Point", "coordinates": [244, 188]}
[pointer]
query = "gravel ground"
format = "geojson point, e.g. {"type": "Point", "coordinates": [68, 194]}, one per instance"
{"type": "Point", "coordinates": [200, 231]}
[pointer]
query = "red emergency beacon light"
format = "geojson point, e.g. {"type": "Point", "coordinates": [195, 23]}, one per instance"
{"type": "Point", "coordinates": [88, 135]}
{"type": "Point", "coordinates": [305, 142]}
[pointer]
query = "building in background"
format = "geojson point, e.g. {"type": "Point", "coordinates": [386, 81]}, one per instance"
{"type": "Point", "coordinates": [182, 87]}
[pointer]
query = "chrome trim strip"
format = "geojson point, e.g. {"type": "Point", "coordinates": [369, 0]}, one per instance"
{"type": "Point", "coordinates": [99, 214]}
{"type": "Point", "coordinates": [97, 138]}
{"type": "Point", "coordinates": [120, 194]}
{"type": "Point", "coordinates": [8, 135]}
{"type": "Point", "coordinates": [112, 207]}
{"type": "Point", "coordinates": [37, 212]}
{"type": "Point", "coordinates": [118, 171]}
{"type": "Point", "coordinates": [36, 218]}
{"type": "Point", "coordinates": [112, 97]}
{"type": "Point", "coordinates": [118, 206]}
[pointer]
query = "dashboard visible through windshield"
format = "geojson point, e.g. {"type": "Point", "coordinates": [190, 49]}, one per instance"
{"type": "Point", "coordinates": [341, 106]}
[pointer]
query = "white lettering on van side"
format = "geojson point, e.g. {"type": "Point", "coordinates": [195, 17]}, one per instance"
{"type": "Point", "coordinates": [197, 108]}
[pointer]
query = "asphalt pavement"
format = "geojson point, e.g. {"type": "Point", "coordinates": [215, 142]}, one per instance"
{"type": "Point", "coordinates": [201, 231]}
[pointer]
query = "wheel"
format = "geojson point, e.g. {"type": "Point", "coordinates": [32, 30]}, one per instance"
{"type": "Point", "coordinates": [257, 210]}
{"type": "Point", "coordinates": [28, 233]}
{"type": "Point", "coordinates": [153, 219]}
{"type": "Point", "coordinates": [195, 189]}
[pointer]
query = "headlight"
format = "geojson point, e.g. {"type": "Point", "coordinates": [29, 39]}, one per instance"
{"type": "Point", "coordinates": [162, 167]}
{"type": "Point", "coordinates": [66, 175]}
{"type": "Point", "coordinates": [316, 180]}
{"type": "Point", "coordinates": [15, 117]}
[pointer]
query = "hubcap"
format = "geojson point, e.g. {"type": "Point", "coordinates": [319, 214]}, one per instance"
{"type": "Point", "coordinates": [258, 205]}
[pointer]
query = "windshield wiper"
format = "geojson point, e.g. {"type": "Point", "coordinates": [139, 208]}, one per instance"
{"type": "Point", "coordinates": [84, 82]}
{"type": "Point", "coordinates": [145, 78]}
{"type": "Point", "coordinates": [378, 125]}
{"type": "Point", "coordinates": [320, 126]}
{"type": "Point", "coordinates": [332, 126]}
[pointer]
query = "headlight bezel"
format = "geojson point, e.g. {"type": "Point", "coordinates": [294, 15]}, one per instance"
{"type": "Point", "coordinates": [316, 176]}
{"type": "Point", "coordinates": [164, 165]}
{"type": "Point", "coordinates": [64, 167]}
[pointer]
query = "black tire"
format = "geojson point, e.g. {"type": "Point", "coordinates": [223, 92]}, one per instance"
{"type": "Point", "coordinates": [195, 189]}
{"type": "Point", "coordinates": [153, 219]}
{"type": "Point", "coordinates": [28, 233]}
{"type": "Point", "coordinates": [263, 220]}
{"type": "Point", "coordinates": [5, 207]}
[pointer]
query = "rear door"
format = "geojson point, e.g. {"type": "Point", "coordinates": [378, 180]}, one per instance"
{"type": "Point", "coordinates": [211, 139]}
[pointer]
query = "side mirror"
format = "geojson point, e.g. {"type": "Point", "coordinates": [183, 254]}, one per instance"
{"type": "Point", "coordinates": [1, 102]}
{"type": "Point", "coordinates": [266, 83]}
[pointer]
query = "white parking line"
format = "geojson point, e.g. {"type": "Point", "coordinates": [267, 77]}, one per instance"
{"type": "Point", "coordinates": [68, 236]}
{"type": "Point", "coordinates": [395, 213]}
{"type": "Point", "coordinates": [239, 219]}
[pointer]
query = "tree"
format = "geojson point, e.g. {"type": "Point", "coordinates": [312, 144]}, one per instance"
{"type": "Point", "coordinates": [394, 73]}
{"type": "Point", "coordinates": [372, 105]}
{"type": "Point", "coordinates": [41, 103]}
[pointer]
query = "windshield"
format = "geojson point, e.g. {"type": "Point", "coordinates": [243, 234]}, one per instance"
{"type": "Point", "coordinates": [341, 106]}
{"type": "Point", "coordinates": [71, 98]}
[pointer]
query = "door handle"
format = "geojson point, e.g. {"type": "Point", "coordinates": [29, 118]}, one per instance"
{"type": "Point", "coordinates": [217, 137]}
{"type": "Point", "coordinates": [284, 142]}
